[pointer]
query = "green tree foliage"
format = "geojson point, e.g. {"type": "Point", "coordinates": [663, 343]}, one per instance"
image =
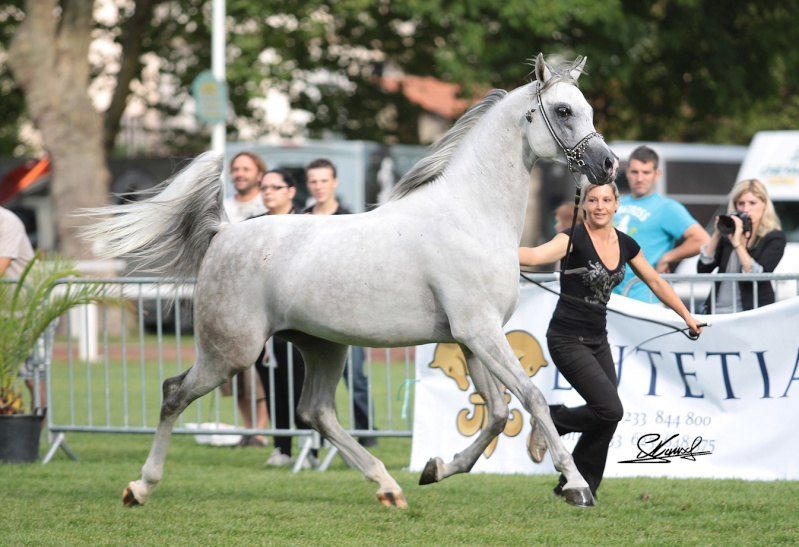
{"type": "Point", "coordinates": [680, 70]}
{"type": "Point", "coordinates": [328, 59]}
{"type": "Point", "coordinates": [12, 101]}
{"type": "Point", "coordinates": [689, 70]}
{"type": "Point", "coordinates": [697, 70]}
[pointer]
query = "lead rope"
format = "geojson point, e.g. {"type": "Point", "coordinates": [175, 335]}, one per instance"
{"type": "Point", "coordinates": [684, 331]}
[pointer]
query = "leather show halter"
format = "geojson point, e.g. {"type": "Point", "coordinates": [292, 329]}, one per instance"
{"type": "Point", "coordinates": [574, 155]}
{"type": "Point", "coordinates": [574, 158]}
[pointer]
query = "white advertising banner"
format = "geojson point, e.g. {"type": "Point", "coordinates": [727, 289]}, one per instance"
{"type": "Point", "coordinates": [725, 406]}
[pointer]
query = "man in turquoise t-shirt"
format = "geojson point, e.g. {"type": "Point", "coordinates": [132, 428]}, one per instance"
{"type": "Point", "coordinates": [655, 222]}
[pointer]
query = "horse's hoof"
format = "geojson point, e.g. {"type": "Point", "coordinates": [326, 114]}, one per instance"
{"type": "Point", "coordinates": [432, 471]}
{"type": "Point", "coordinates": [391, 499]}
{"type": "Point", "coordinates": [579, 497]}
{"type": "Point", "coordinates": [128, 499]}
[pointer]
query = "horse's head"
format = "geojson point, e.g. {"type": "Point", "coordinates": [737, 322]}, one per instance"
{"type": "Point", "coordinates": [561, 123]}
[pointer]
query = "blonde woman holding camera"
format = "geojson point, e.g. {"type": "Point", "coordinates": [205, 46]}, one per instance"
{"type": "Point", "coordinates": [748, 239]}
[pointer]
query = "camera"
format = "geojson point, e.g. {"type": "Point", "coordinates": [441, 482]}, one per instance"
{"type": "Point", "coordinates": [727, 226]}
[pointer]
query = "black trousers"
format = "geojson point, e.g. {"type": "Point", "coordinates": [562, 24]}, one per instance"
{"type": "Point", "coordinates": [587, 364]}
{"type": "Point", "coordinates": [284, 397]}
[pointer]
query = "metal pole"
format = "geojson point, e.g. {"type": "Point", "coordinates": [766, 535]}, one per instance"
{"type": "Point", "coordinates": [218, 136]}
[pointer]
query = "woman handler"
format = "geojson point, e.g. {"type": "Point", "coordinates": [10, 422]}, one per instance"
{"type": "Point", "coordinates": [577, 339]}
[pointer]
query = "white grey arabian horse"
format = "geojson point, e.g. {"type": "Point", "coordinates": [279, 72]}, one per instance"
{"type": "Point", "coordinates": [437, 263]}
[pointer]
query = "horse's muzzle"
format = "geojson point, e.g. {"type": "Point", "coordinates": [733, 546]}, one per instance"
{"type": "Point", "coordinates": [604, 169]}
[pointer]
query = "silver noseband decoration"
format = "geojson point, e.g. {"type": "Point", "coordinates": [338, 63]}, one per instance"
{"type": "Point", "coordinates": [574, 155]}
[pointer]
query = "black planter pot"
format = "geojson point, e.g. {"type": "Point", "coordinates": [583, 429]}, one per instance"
{"type": "Point", "coordinates": [19, 437]}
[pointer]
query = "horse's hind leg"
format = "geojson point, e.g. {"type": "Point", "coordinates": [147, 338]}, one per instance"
{"type": "Point", "coordinates": [179, 392]}
{"type": "Point", "coordinates": [497, 412]}
{"type": "Point", "coordinates": [324, 364]}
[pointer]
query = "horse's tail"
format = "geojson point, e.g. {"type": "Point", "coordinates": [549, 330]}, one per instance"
{"type": "Point", "coordinates": [168, 233]}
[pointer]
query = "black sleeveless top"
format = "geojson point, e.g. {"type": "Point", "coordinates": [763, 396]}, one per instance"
{"type": "Point", "coordinates": [586, 285]}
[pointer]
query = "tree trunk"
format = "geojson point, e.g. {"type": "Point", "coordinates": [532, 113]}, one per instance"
{"type": "Point", "coordinates": [49, 57]}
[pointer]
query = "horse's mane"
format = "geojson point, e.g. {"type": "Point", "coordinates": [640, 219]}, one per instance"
{"type": "Point", "coordinates": [439, 154]}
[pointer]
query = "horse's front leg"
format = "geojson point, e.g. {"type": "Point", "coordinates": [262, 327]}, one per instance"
{"type": "Point", "coordinates": [497, 412]}
{"type": "Point", "coordinates": [493, 349]}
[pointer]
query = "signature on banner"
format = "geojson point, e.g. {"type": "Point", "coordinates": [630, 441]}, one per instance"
{"type": "Point", "coordinates": [653, 449]}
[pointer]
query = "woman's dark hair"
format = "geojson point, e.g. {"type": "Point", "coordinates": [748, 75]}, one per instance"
{"type": "Point", "coordinates": [285, 174]}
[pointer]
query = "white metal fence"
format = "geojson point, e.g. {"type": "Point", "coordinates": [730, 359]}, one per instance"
{"type": "Point", "coordinates": [106, 365]}
{"type": "Point", "coordinates": [694, 289]}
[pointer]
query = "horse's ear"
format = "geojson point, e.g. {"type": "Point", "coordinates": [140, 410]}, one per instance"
{"type": "Point", "coordinates": [575, 72]}
{"type": "Point", "coordinates": [542, 72]}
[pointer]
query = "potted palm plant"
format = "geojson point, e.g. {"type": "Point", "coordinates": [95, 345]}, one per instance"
{"type": "Point", "coordinates": [45, 291]}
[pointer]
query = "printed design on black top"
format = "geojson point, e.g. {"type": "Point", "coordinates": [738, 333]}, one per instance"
{"type": "Point", "coordinates": [597, 278]}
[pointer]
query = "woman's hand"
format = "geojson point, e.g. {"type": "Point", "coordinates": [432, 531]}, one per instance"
{"type": "Point", "coordinates": [736, 237]}
{"type": "Point", "coordinates": [694, 326]}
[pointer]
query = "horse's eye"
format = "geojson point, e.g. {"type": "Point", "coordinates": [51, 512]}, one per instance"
{"type": "Point", "coordinates": [563, 111]}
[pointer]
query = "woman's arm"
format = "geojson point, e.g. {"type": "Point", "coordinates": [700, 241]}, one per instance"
{"type": "Point", "coordinates": [549, 252]}
{"type": "Point", "coordinates": [663, 290]}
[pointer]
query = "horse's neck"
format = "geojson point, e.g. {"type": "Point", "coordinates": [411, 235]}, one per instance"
{"type": "Point", "coordinates": [490, 172]}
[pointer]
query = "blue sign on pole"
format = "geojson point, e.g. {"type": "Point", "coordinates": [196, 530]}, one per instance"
{"type": "Point", "coordinates": [211, 97]}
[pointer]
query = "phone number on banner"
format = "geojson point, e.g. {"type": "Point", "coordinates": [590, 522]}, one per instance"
{"type": "Point", "coordinates": [665, 424]}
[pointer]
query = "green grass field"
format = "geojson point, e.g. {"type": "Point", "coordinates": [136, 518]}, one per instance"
{"type": "Point", "coordinates": [224, 496]}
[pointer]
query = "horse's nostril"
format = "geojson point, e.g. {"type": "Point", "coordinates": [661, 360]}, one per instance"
{"type": "Point", "coordinates": [608, 165]}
